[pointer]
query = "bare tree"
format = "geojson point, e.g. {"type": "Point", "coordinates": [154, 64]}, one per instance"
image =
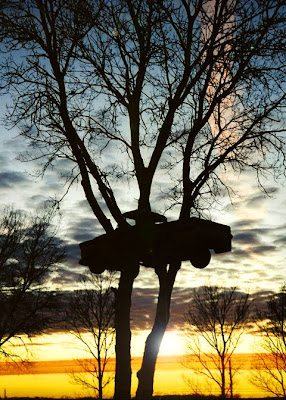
{"type": "Point", "coordinates": [90, 318]}
{"type": "Point", "coordinates": [269, 373]}
{"type": "Point", "coordinates": [215, 322]}
{"type": "Point", "coordinates": [62, 101]}
{"type": "Point", "coordinates": [193, 87]}
{"type": "Point", "coordinates": [28, 252]}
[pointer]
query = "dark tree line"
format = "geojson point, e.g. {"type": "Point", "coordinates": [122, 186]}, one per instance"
{"type": "Point", "coordinates": [193, 87]}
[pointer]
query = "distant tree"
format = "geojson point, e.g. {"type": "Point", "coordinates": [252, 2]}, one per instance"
{"type": "Point", "coordinates": [195, 88]}
{"type": "Point", "coordinates": [90, 318]}
{"type": "Point", "coordinates": [216, 319]}
{"type": "Point", "coordinates": [269, 373]}
{"type": "Point", "coordinates": [29, 250]}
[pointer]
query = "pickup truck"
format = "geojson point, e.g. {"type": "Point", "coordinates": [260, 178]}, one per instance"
{"type": "Point", "coordinates": [156, 244]}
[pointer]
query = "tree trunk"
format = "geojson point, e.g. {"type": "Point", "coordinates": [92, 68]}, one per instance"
{"type": "Point", "coordinates": [230, 379]}
{"type": "Point", "coordinates": [100, 391]}
{"type": "Point", "coordinates": [123, 334]}
{"type": "Point", "coordinates": [146, 373]}
{"type": "Point", "coordinates": [223, 370]}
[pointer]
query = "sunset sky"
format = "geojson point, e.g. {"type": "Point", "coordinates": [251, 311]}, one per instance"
{"type": "Point", "coordinates": [257, 221]}
{"type": "Point", "coordinates": [256, 264]}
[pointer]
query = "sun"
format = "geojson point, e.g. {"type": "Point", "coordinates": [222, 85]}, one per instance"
{"type": "Point", "coordinates": [173, 343]}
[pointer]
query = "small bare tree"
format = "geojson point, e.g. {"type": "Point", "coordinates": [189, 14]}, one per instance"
{"type": "Point", "coordinates": [215, 323]}
{"type": "Point", "coordinates": [28, 252]}
{"type": "Point", "coordinates": [269, 373]}
{"type": "Point", "coordinates": [90, 318]}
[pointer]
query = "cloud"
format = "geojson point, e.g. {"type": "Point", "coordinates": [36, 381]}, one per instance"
{"type": "Point", "coordinates": [243, 223]}
{"type": "Point", "coordinates": [79, 229]}
{"type": "Point", "coordinates": [263, 249]}
{"type": "Point", "coordinates": [260, 198]}
{"type": "Point", "coordinates": [63, 166]}
{"type": "Point", "coordinates": [65, 277]}
{"type": "Point", "coordinates": [281, 241]}
{"type": "Point", "coordinates": [84, 229]}
{"type": "Point", "coordinates": [38, 201]}
{"type": "Point", "coordinates": [72, 255]}
{"type": "Point", "coordinates": [84, 206]}
{"type": "Point", "coordinates": [144, 301]}
{"type": "Point", "coordinates": [249, 264]}
{"type": "Point", "coordinates": [255, 242]}
{"type": "Point", "coordinates": [247, 237]}
{"type": "Point", "coordinates": [9, 180]}
{"type": "Point", "coordinates": [3, 160]}
{"type": "Point", "coordinates": [261, 240]}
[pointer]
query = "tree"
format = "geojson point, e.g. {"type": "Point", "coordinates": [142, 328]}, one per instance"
{"type": "Point", "coordinates": [270, 372]}
{"type": "Point", "coordinates": [215, 321]}
{"type": "Point", "coordinates": [193, 87]}
{"type": "Point", "coordinates": [28, 252]}
{"type": "Point", "coordinates": [90, 318]}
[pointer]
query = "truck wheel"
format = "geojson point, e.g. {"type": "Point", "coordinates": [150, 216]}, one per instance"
{"type": "Point", "coordinates": [96, 269]}
{"type": "Point", "coordinates": [201, 258]}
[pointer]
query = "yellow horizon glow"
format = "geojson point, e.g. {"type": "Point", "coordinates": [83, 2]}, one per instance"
{"type": "Point", "coordinates": [55, 357]}
{"type": "Point", "coordinates": [64, 346]}
{"type": "Point", "coordinates": [52, 379]}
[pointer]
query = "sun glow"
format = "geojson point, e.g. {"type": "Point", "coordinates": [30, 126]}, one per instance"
{"type": "Point", "coordinates": [173, 343]}
{"type": "Point", "coordinates": [64, 346]}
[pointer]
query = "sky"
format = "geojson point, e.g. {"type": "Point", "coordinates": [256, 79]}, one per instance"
{"type": "Point", "coordinates": [257, 221]}
{"type": "Point", "coordinates": [258, 224]}
{"type": "Point", "coordinates": [255, 265]}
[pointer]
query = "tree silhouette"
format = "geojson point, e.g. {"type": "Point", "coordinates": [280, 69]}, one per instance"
{"type": "Point", "coordinates": [90, 318]}
{"type": "Point", "coordinates": [192, 89]}
{"type": "Point", "coordinates": [28, 253]}
{"type": "Point", "coordinates": [270, 372]}
{"type": "Point", "coordinates": [215, 321]}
